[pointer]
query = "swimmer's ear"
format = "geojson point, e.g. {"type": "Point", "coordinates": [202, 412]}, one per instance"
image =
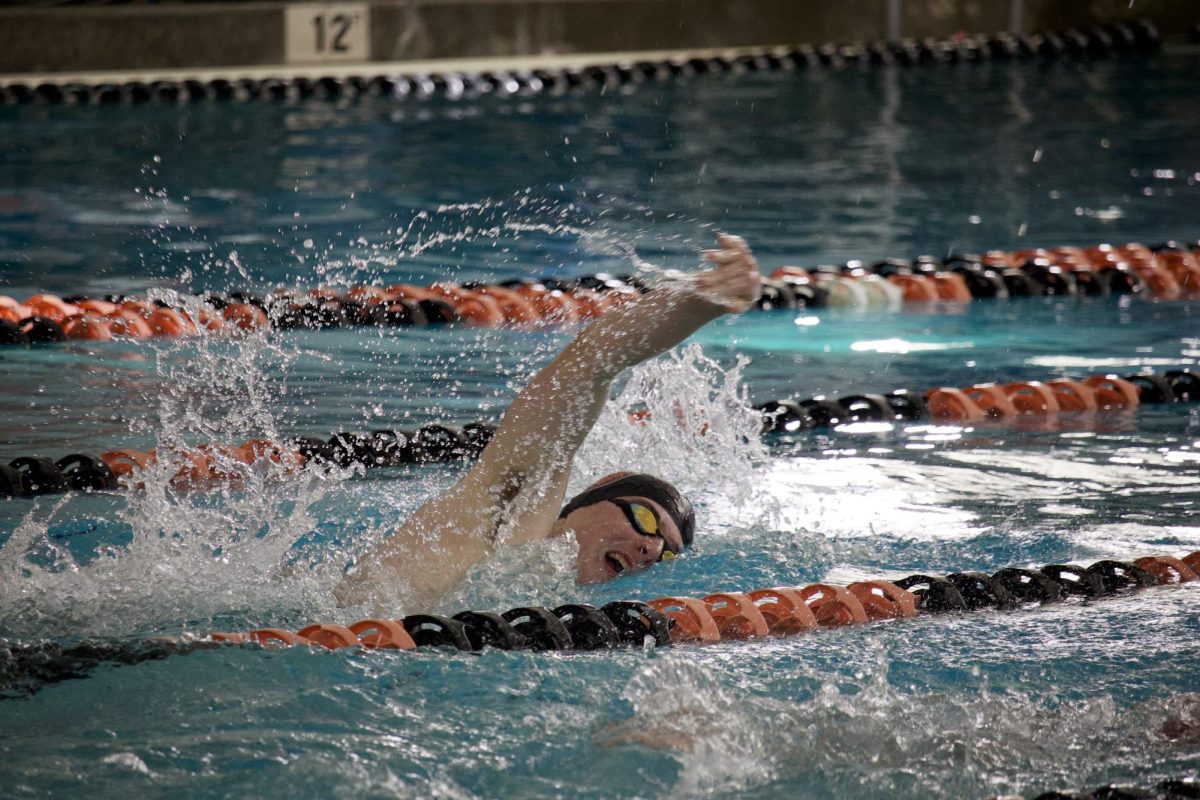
{"type": "Point", "coordinates": [607, 479]}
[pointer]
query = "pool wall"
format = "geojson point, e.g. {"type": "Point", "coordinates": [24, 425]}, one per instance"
{"type": "Point", "coordinates": [168, 36]}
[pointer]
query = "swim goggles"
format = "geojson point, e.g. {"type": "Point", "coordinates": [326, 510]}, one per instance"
{"type": "Point", "coordinates": [644, 521]}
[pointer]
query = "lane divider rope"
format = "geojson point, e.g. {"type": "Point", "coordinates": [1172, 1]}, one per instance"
{"type": "Point", "coordinates": [1013, 402]}
{"type": "Point", "coordinates": [1169, 789]}
{"type": "Point", "coordinates": [664, 621]}
{"type": "Point", "coordinates": [724, 616]}
{"type": "Point", "coordinates": [1167, 271]}
{"type": "Point", "coordinates": [206, 465]}
{"type": "Point", "coordinates": [1136, 37]}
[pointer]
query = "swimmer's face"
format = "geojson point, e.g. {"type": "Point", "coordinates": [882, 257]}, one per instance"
{"type": "Point", "coordinates": [609, 544]}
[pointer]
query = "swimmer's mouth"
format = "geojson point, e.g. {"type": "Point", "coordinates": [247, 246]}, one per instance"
{"type": "Point", "coordinates": [616, 562]}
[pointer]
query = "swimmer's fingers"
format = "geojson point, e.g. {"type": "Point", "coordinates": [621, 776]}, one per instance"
{"type": "Point", "coordinates": [737, 278]}
{"type": "Point", "coordinates": [728, 255]}
{"type": "Point", "coordinates": [734, 282]}
{"type": "Point", "coordinates": [722, 257]}
{"type": "Point", "coordinates": [729, 247]}
{"type": "Point", "coordinates": [730, 242]}
{"type": "Point", "coordinates": [735, 285]}
{"type": "Point", "coordinates": [733, 250]}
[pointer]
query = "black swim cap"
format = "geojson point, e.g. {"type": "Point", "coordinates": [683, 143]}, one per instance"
{"type": "Point", "coordinates": [649, 487]}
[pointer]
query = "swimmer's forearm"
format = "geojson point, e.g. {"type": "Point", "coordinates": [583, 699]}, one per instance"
{"type": "Point", "coordinates": [549, 419]}
{"type": "Point", "coordinates": [636, 332]}
{"type": "Point", "coordinates": [530, 456]}
{"type": "Point", "coordinates": [551, 416]}
{"type": "Point", "coordinates": [671, 313]}
{"type": "Point", "coordinates": [560, 405]}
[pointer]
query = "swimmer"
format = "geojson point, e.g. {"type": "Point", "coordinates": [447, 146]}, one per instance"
{"type": "Point", "coordinates": [514, 493]}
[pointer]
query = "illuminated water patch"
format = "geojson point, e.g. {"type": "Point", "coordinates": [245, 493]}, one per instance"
{"type": "Point", "coordinates": [903, 346]}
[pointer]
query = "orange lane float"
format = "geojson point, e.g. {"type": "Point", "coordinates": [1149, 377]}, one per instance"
{"type": "Point", "coordinates": [329, 636]}
{"type": "Point", "coordinates": [947, 404]}
{"type": "Point", "coordinates": [691, 619]}
{"type": "Point", "coordinates": [736, 615]}
{"type": "Point", "coordinates": [52, 307]}
{"type": "Point", "coordinates": [784, 610]}
{"type": "Point", "coordinates": [517, 309]}
{"type": "Point", "coordinates": [884, 600]}
{"type": "Point", "coordinates": [405, 291]}
{"type": "Point", "coordinates": [832, 605]}
{"type": "Point", "coordinates": [88, 327]}
{"type": "Point", "coordinates": [1031, 398]}
{"type": "Point", "coordinates": [553, 306]}
{"type": "Point", "coordinates": [1167, 569]}
{"type": "Point", "coordinates": [951, 287]}
{"type": "Point", "coordinates": [797, 273]}
{"type": "Point", "coordinates": [1161, 282]}
{"type": "Point", "coordinates": [991, 400]}
{"type": "Point", "coordinates": [1072, 396]}
{"type": "Point", "coordinates": [124, 463]}
{"type": "Point", "coordinates": [472, 307]}
{"type": "Point", "coordinates": [203, 465]}
{"type": "Point", "coordinates": [385, 634]}
{"type": "Point", "coordinates": [1112, 393]}
{"type": "Point", "coordinates": [591, 304]}
{"type": "Point", "coordinates": [1184, 268]}
{"type": "Point", "coordinates": [222, 462]}
{"type": "Point", "coordinates": [170, 323]}
{"type": "Point", "coordinates": [127, 325]}
{"type": "Point", "coordinates": [916, 288]}
{"type": "Point", "coordinates": [255, 450]}
{"type": "Point", "coordinates": [195, 468]}
{"type": "Point", "coordinates": [101, 308]}
{"type": "Point", "coordinates": [370, 295]}
{"type": "Point", "coordinates": [272, 636]}
{"type": "Point", "coordinates": [244, 316]}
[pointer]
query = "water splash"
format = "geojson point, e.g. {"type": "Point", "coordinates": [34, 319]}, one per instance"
{"type": "Point", "coordinates": [535, 573]}
{"type": "Point", "coordinates": [685, 419]}
{"type": "Point", "coordinates": [523, 234]}
{"type": "Point", "coordinates": [190, 555]}
{"type": "Point", "coordinates": [681, 706]}
{"type": "Point", "coordinates": [861, 735]}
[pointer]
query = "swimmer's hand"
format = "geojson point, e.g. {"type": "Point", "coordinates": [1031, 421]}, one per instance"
{"type": "Point", "coordinates": [735, 282]}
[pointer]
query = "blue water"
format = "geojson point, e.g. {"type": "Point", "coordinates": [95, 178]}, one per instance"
{"type": "Point", "coordinates": [811, 168]}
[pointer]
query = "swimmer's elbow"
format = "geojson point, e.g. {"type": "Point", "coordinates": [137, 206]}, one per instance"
{"type": "Point", "coordinates": [359, 586]}
{"type": "Point", "coordinates": [347, 593]}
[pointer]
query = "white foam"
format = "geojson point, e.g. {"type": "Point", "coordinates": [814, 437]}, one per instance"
{"type": "Point", "coordinates": [698, 431]}
{"type": "Point", "coordinates": [192, 555]}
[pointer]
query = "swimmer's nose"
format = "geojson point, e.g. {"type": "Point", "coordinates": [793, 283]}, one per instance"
{"type": "Point", "coordinates": [650, 554]}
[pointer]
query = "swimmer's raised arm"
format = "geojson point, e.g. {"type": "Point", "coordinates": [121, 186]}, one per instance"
{"type": "Point", "coordinates": [515, 490]}
{"type": "Point", "coordinates": [548, 421]}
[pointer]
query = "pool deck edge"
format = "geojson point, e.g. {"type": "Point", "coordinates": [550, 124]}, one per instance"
{"type": "Point", "coordinates": [552, 62]}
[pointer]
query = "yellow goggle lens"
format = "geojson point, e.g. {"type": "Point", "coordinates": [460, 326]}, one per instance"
{"type": "Point", "coordinates": [645, 519]}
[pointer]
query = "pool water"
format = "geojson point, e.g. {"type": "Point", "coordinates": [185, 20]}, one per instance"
{"type": "Point", "coordinates": [811, 168]}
